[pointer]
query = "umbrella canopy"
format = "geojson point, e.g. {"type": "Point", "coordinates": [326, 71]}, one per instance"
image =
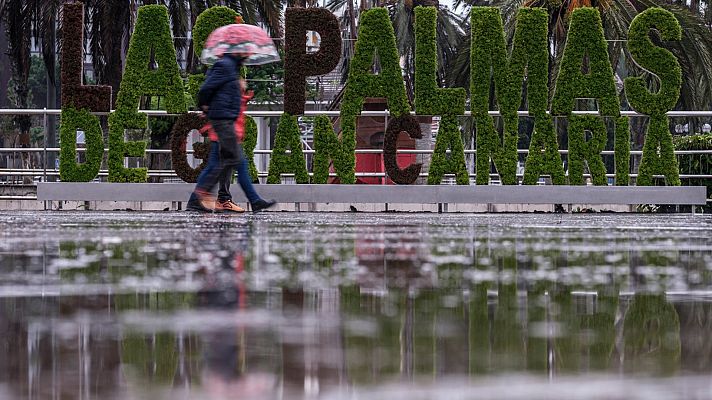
{"type": "Point", "coordinates": [249, 41]}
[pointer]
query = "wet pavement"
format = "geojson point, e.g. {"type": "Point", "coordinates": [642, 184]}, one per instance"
{"type": "Point", "coordinates": [167, 305]}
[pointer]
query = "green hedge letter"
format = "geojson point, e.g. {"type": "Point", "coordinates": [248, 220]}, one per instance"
{"type": "Point", "coordinates": [587, 151]}
{"type": "Point", "coordinates": [287, 137]}
{"type": "Point", "coordinates": [152, 32]}
{"type": "Point", "coordinates": [375, 37]}
{"type": "Point", "coordinates": [585, 40]}
{"type": "Point", "coordinates": [658, 154]}
{"type": "Point", "coordinates": [69, 169]}
{"type": "Point", "coordinates": [432, 100]}
{"type": "Point", "coordinates": [489, 60]}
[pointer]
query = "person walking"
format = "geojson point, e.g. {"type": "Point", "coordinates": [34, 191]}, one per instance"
{"type": "Point", "coordinates": [220, 97]}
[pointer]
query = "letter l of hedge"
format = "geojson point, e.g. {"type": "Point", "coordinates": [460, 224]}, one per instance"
{"type": "Point", "coordinates": [432, 100]}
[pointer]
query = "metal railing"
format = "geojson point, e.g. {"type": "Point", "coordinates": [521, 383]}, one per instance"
{"type": "Point", "coordinates": [49, 171]}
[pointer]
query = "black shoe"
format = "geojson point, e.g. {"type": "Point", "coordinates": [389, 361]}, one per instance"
{"type": "Point", "coordinates": [197, 207]}
{"type": "Point", "coordinates": [262, 204]}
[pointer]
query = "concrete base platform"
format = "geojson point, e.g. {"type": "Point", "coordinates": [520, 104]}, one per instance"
{"type": "Point", "coordinates": [383, 194]}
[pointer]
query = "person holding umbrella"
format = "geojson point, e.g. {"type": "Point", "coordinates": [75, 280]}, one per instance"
{"type": "Point", "coordinates": [228, 48]}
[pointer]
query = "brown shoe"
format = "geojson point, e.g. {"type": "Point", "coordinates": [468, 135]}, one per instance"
{"type": "Point", "coordinates": [206, 200]}
{"type": "Point", "coordinates": [228, 206]}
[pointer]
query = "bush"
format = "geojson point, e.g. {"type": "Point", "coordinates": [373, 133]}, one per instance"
{"type": "Point", "coordinates": [544, 158]}
{"type": "Point", "coordinates": [207, 22]}
{"type": "Point", "coordinates": [429, 98]}
{"type": "Point", "coordinates": [695, 164]}
{"type": "Point", "coordinates": [658, 155]}
{"type": "Point", "coordinates": [248, 145]}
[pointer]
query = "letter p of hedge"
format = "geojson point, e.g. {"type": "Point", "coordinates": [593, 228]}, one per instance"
{"type": "Point", "coordinates": [298, 64]}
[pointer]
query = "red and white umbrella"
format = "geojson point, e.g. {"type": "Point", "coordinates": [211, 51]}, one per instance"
{"type": "Point", "coordinates": [249, 41]}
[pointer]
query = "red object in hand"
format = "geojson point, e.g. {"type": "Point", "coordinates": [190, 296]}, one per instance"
{"type": "Point", "coordinates": [240, 121]}
{"type": "Point", "coordinates": [207, 128]}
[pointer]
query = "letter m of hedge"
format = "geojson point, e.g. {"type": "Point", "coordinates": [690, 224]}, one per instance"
{"type": "Point", "coordinates": [491, 64]}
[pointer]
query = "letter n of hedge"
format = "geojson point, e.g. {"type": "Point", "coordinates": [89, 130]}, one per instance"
{"type": "Point", "coordinates": [329, 147]}
{"type": "Point", "coordinates": [297, 63]}
{"type": "Point", "coordinates": [288, 138]}
{"type": "Point", "coordinates": [587, 151]}
{"type": "Point", "coordinates": [585, 40]}
{"type": "Point", "coordinates": [489, 63]}
{"type": "Point", "coordinates": [69, 169]}
{"type": "Point", "coordinates": [375, 36]}
{"type": "Point", "coordinates": [74, 93]}
{"type": "Point", "coordinates": [658, 154]}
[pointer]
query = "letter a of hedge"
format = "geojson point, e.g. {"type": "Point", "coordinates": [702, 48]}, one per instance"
{"type": "Point", "coordinates": [282, 163]}
{"type": "Point", "coordinates": [489, 60]}
{"type": "Point", "coordinates": [585, 39]}
{"type": "Point", "coordinates": [152, 32]}
{"type": "Point", "coordinates": [448, 136]}
{"type": "Point", "coordinates": [375, 37]}
{"type": "Point", "coordinates": [658, 153]}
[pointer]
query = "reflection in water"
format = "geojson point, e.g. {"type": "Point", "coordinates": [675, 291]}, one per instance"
{"type": "Point", "coordinates": [297, 306]}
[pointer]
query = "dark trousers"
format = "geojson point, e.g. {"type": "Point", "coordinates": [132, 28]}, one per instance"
{"type": "Point", "coordinates": [223, 161]}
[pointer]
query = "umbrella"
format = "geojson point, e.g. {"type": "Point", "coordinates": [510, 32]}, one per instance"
{"type": "Point", "coordinates": [250, 41]}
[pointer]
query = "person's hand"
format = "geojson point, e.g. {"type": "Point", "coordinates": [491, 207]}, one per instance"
{"type": "Point", "coordinates": [243, 84]}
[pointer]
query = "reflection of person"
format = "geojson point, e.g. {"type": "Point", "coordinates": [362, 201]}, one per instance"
{"type": "Point", "coordinates": [224, 373]}
{"type": "Point", "coordinates": [221, 97]}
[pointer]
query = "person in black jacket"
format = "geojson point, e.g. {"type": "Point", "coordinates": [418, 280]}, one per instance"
{"type": "Point", "coordinates": [220, 96]}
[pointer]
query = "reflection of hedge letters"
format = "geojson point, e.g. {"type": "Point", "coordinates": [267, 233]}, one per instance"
{"type": "Point", "coordinates": [585, 73]}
